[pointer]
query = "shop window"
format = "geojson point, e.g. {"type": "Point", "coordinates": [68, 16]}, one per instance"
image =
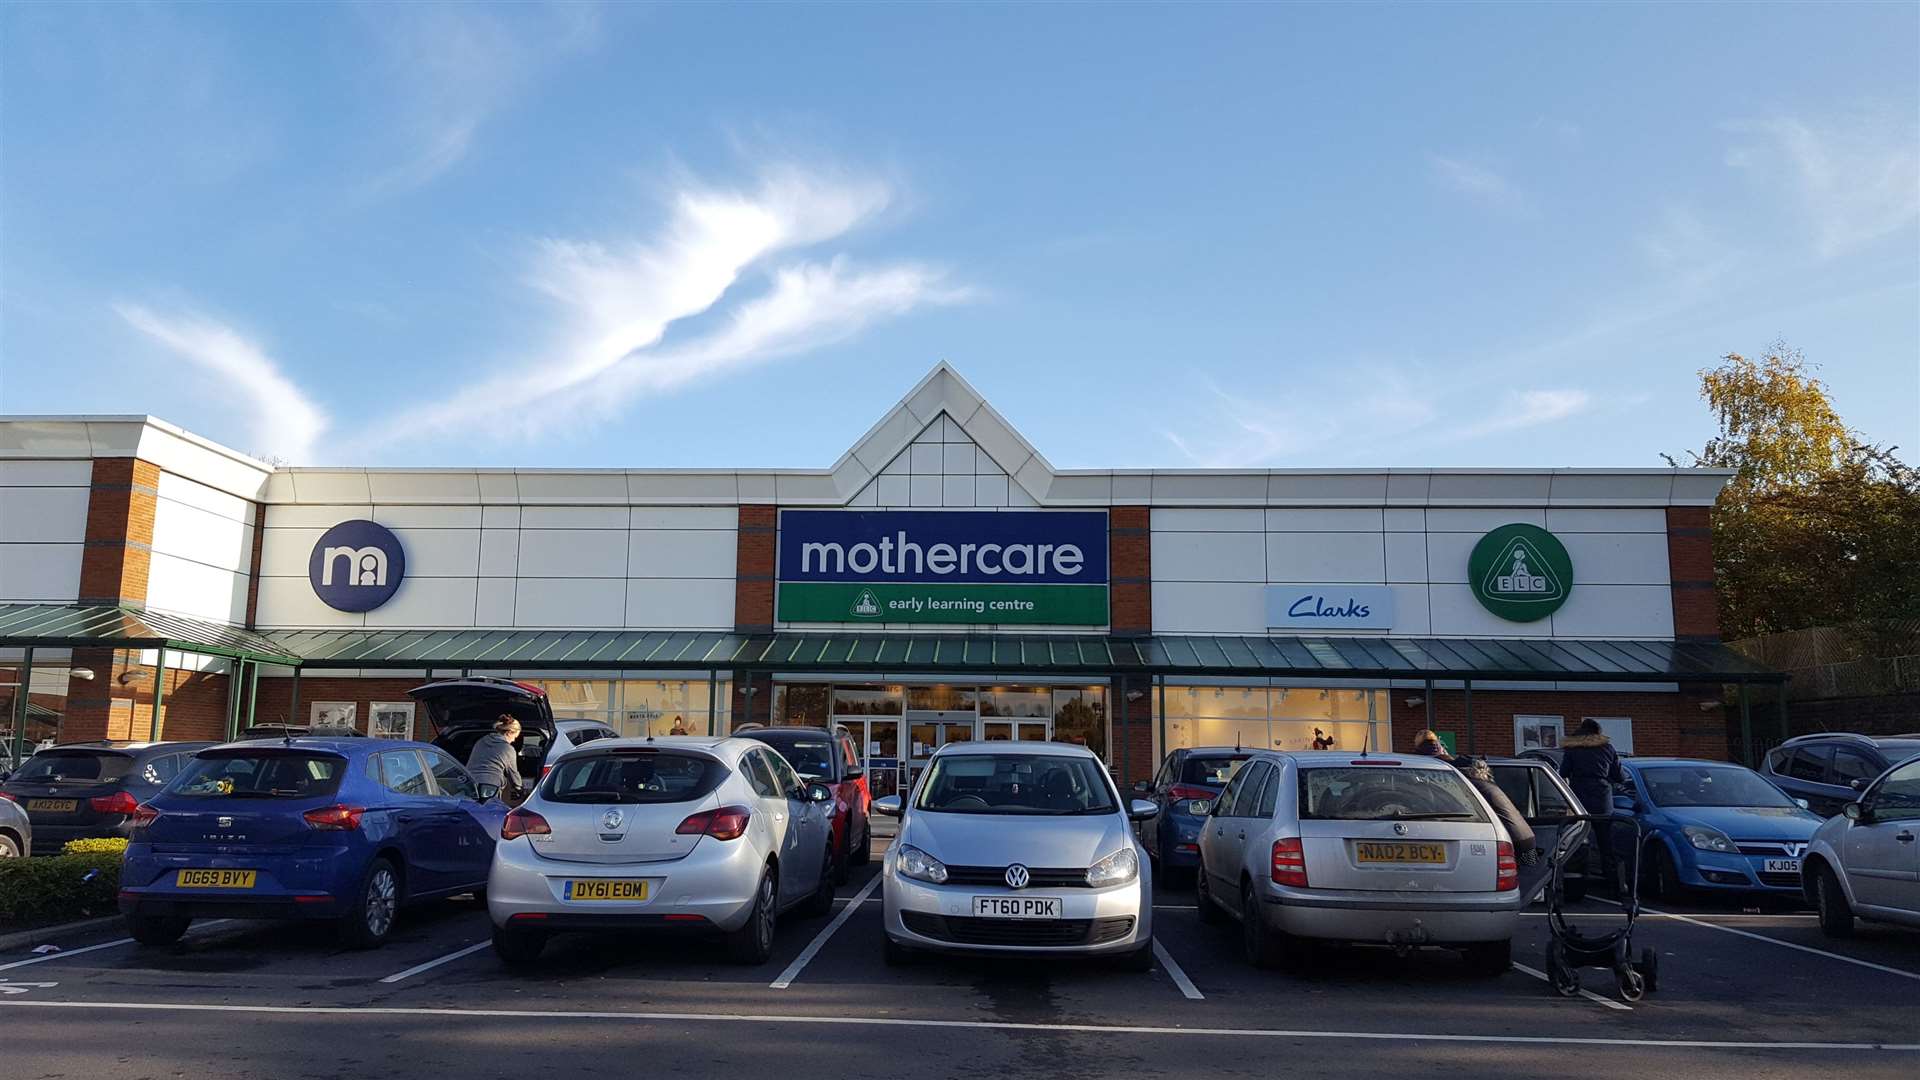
{"type": "Point", "coordinates": [867, 700]}
{"type": "Point", "coordinates": [1080, 717]}
{"type": "Point", "coordinates": [1238, 702]}
{"type": "Point", "coordinates": [801, 703]}
{"type": "Point", "coordinates": [1322, 735]}
{"type": "Point", "coordinates": [1017, 701]}
{"type": "Point", "coordinates": [669, 707]}
{"type": "Point", "coordinates": [943, 698]}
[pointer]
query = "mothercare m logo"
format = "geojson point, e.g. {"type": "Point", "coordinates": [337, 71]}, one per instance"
{"type": "Point", "coordinates": [356, 566]}
{"type": "Point", "coordinates": [1520, 572]}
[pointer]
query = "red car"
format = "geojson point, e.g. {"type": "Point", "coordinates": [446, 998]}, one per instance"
{"type": "Point", "coordinates": [828, 757]}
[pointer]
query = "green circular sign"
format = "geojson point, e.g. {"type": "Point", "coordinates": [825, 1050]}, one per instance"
{"type": "Point", "coordinates": [1520, 572]}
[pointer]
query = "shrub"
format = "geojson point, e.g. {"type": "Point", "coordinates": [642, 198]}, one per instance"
{"type": "Point", "coordinates": [96, 845]}
{"type": "Point", "coordinates": [58, 888]}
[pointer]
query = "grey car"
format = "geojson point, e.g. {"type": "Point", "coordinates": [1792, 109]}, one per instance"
{"type": "Point", "coordinates": [16, 832]}
{"type": "Point", "coordinates": [1865, 862]}
{"type": "Point", "coordinates": [1014, 848]}
{"type": "Point", "coordinates": [1377, 849]}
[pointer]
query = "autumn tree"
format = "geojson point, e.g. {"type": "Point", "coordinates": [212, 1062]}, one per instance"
{"type": "Point", "coordinates": [1817, 527]}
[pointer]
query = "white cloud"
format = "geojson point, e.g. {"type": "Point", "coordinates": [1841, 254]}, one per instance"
{"type": "Point", "coordinates": [1524, 409]}
{"type": "Point", "coordinates": [1857, 180]}
{"type": "Point", "coordinates": [1482, 184]}
{"type": "Point", "coordinates": [1682, 245]}
{"type": "Point", "coordinates": [281, 421]}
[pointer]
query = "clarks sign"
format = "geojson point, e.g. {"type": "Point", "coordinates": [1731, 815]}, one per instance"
{"type": "Point", "coordinates": [917, 566]}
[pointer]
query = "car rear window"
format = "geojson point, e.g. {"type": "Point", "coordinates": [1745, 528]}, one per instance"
{"type": "Point", "coordinates": [633, 776]}
{"type": "Point", "coordinates": [1210, 770]}
{"type": "Point", "coordinates": [1386, 793]}
{"type": "Point", "coordinates": [814, 757]}
{"type": "Point", "coordinates": [259, 776]}
{"type": "Point", "coordinates": [99, 766]}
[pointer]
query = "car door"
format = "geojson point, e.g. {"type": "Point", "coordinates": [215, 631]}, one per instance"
{"type": "Point", "coordinates": [1219, 844]}
{"type": "Point", "coordinates": [809, 825]}
{"type": "Point", "coordinates": [1810, 773]}
{"type": "Point", "coordinates": [1231, 828]}
{"type": "Point", "coordinates": [771, 807]}
{"type": "Point", "coordinates": [470, 823]}
{"type": "Point", "coordinates": [1881, 850]}
{"type": "Point", "coordinates": [421, 824]}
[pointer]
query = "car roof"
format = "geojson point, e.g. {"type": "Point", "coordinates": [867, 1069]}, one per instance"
{"type": "Point", "coordinates": [580, 722]}
{"type": "Point", "coordinates": [1023, 749]}
{"type": "Point", "coordinates": [340, 746]}
{"type": "Point", "coordinates": [1206, 751]}
{"type": "Point", "coordinates": [1679, 761]}
{"type": "Point", "coordinates": [1323, 758]}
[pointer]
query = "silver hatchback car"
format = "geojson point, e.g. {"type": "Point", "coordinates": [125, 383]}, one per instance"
{"type": "Point", "coordinates": [1017, 847]}
{"type": "Point", "coordinates": [683, 833]}
{"type": "Point", "coordinates": [1377, 849]}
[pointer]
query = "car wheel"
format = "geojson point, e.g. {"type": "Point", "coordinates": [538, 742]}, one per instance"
{"type": "Point", "coordinates": [374, 909]}
{"type": "Point", "coordinates": [831, 870]}
{"type": "Point", "coordinates": [1836, 915]}
{"type": "Point", "coordinates": [9, 847]}
{"type": "Point", "coordinates": [1490, 959]}
{"type": "Point", "coordinates": [1661, 880]}
{"type": "Point", "coordinates": [842, 860]}
{"type": "Point", "coordinates": [1210, 912]}
{"type": "Point", "coordinates": [157, 929]}
{"type": "Point", "coordinates": [518, 948]}
{"type": "Point", "coordinates": [896, 954]}
{"type": "Point", "coordinates": [863, 853]}
{"type": "Point", "coordinates": [1258, 942]}
{"type": "Point", "coordinates": [753, 942]}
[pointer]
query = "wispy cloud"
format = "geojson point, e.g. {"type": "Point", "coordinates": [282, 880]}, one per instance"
{"type": "Point", "coordinates": [1681, 245]}
{"type": "Point", "coordinates": [1482, 184]}
{"type": "Point", "coordinates": [281, 421]}
{"type": "Point", "coordinates": [1857, 179]}
{"type": "Point", "coordinates": [1518, 409]}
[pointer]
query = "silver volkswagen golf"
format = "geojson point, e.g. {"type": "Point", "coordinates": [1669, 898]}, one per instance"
{"type": "Point", "coordinates": [1017, 847]}
{"type": "Point", "coordinates": [716, 835]}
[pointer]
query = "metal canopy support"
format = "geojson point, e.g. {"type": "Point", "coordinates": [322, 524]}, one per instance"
{"type": "Point", "coordinates": [20, 707]}
{"type": "Point", "coordinates": [253, 692]}
{"type": "Point", "coordinates": [1429, 702]}
{"type": "Point", "coordinates": [1126, 724]}
{"type": "Point", "coordinates": [1160, 688]}
{"type": "Point", "coordinates": [1746, 727]}
{"type": "Point", "coordinates": [159, 694]}
{"type": "Point", "coordinates": [1780, 708]}
{"type": "Point", "coordinates": [1472, 741]}
{"type": "Point", "coordinates": [713, 704]}
{"type": "Point", "coordinates": [293, 709]}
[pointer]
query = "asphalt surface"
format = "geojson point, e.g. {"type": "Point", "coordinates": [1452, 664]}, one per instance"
{"type": "Point", "coordinates": [1742, 994]}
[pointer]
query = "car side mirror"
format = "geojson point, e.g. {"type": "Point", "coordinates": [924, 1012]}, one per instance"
{"type": "Point", "coordinates": [486, 792]}
{"type": "Point", "coordinates": [817, 792]}
{"type": "Point", "coordinates": [1141, 810]}
{"type": "Point", "coordinates": [887, 805]}
{"type": "Point", "coordinates": [1856, 813]}
{"type": "Point", "coordinates": [1803, 804]}
{"type": "Point", "coordinates": [1143, 786]}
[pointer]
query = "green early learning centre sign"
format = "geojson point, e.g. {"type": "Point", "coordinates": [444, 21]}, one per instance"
{"type": "Point", "coordinates": [1520, 572]}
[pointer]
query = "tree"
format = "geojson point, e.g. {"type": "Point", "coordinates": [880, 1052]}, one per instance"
{"type": "Point", "coordinates": [1817, 527]}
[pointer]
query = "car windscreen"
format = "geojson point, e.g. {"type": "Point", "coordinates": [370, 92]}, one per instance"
{"type": "Point", "coordinates": [1709, 785]}
{"type": "Point", "coordinates": [1213, 771]}
{"type": "Point", "coordinates": [1386, 793]}
{"type": "Point", "coordinates": [1015, 784]}
{"type": "Point", "coordinates": [93, 766]}
{"type": "Point", "coordinates": [636, 776]}
{"type": "Point", "coordinates": [277, 775]}
{"type": "Point", "coordinates": [809, 757]}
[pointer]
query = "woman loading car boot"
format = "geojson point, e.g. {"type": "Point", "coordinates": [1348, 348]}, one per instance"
{"type": "Point", "coordinates": [1478, 774]}
{"type": "Point", "coordinates": [494, 760]}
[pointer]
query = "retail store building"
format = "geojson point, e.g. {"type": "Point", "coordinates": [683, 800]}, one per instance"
{"type": "Point", "coordinates": [941, 581]}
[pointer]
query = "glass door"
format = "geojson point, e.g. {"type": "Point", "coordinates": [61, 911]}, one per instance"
{"type": "Point", "coordinates": [881, 751]}
{"type": "Point", "coordinates": [937, 715]}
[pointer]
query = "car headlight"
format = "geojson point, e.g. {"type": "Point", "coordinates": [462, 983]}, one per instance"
{"type": "Point", "coordinates": [1116, 869]}
{"type": "Point", "coordinates": [1710, 839]}
{"type": "Point", "coordinates": [917, 864]}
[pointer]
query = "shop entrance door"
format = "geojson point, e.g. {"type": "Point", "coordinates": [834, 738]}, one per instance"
{"type": "Point", "coordinates": [929, 730]}
{"type": "Point", "coordinates": [880, 749]}
{"type": "Point", "coordinates": [996, 730]}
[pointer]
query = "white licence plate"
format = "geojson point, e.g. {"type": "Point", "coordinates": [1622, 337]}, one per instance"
{"type": "Point", "coordinates": [1783, 866]}
{"type": "Point", "coordinates": [1016, 907]}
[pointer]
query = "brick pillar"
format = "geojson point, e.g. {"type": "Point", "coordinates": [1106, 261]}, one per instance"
{"type": "Point", "coordinates": [253, 571]}
{"type": "Point", "coordinates": [753, 570]}
{"type": "Point", "coordinates": [119, 542]}
{"type": "Point", "coordinates": [1696, 609]}
{"type": "Point", "coordinates": [1130, 560]}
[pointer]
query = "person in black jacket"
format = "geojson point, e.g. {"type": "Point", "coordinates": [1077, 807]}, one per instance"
{"type": "Point", "coordinates": [1592, 767]}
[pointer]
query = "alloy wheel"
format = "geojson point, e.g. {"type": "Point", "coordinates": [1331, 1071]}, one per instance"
{"type": "Point", "coordinates": [764, 913]}
{"type": "Point", "coordinates": [382, 902]}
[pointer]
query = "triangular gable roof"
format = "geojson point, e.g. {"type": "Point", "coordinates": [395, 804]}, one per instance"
{"type": "Point", "coordinates": [943, 391]}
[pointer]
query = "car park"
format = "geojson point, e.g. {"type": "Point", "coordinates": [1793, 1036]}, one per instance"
{"type": "Point", "coordinates": [1182, 791]}
{"type": "Point", "coordinates": [1712, 825]}
{"type": "Point", "coordinates": [1009, 847]}
{"type": "Point", "coordinates": [16, 829]}
{"type": "Point", "coordinates": [461, 712]}
{"type": "Point", "coordinates": [349, 830]}
{"type": "Point", "coordinates": [670, 833]}
{"type": "Point", "coordinates": [1830, 769]}
{"type": "Point", "coordinates": [1865, 862]}
{"type": "Point", "coordinates": [87, 790]}
{"type": "Point", "coordinates": [828, 757]}
{"type": "Point", "coordinates": [1321, 846]}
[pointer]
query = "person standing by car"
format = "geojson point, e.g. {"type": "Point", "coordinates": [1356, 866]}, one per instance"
{"type": "Point", "coordinates": [1591, 767]}
{"type": "Point", "coordinates": [1477, 773]}
{"type": "Point", "coordinates": [494, 761]}
{"type": "Point", "coordinates": [1427, 742]}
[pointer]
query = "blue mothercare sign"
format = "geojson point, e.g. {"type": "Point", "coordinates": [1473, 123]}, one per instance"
{"type": "Point", "coordinates": [356, 566]}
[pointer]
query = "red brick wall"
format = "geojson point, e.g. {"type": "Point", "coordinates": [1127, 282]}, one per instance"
{"type": "Point", "coordinates": [119, 540]}
{"type": "Point", "coordinates": [1130, 559]}
{"type": "Point", "coordinates": [753, 570]}
{"type": "Point", "coordinates": [253, 568]}
{"type": "Point", "coordinates": [276, 698]}
{"type": "Point", "coordinates": [1696, 607]}
{"type": "Point", "coordinates": [1663, 724]}
{"type": "Point", "coordinates": [104, 707]}
{"type": "Point", "coordinates": [1132, 732]}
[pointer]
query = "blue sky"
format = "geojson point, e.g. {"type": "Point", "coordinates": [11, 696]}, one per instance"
{"type": "Point", "coordinates": [1283, 236]}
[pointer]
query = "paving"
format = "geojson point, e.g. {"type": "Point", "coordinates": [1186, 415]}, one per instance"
{"type": "Point", "coordinates": [1744, 993]}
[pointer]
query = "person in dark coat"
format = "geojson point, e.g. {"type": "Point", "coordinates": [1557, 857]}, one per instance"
{"type": "Point", "coordinates": [1592, 767]}
{"type": "Point", "coordinates": [1476, 771]}
{"type": "Point", "coordinates": [493, 759]}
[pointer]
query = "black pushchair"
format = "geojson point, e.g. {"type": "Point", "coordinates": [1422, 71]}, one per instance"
{"type": "Point", "coordinates": [1572, 948]}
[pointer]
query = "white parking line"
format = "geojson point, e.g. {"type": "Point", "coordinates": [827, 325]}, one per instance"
{"type": "Point", "coordinates": [806, 955]}
{"type": "Point", "coordinates": [1179, 977]}
{"type": "Point", "coordinates": [64, 953]}
{"type": "Point", "coordinates": [1645, 914]}
{"type": "Point", "coordinates": [1588, 994]}
{"type": "Point", "coordinates": [1783, 944]}
{"type": "Point", "coordinates": [431, 964]}
{"type": "Point", "coordinates": [365, 1011]}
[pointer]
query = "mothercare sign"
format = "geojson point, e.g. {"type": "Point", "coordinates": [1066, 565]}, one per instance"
{"type": "Point", "coordinates": [917, 566]}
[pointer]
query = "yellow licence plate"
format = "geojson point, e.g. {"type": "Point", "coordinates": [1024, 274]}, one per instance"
{"type": "Point", "coordinates": [54, 806]}
{"type": "Point", "coordinates": [606, 889]}
{"type": "Point", "coordinates": [214, 879]}
{"type": "Point", "coordinates": [1396, 852]}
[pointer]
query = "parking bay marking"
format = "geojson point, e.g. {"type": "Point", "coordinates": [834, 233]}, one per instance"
{"type": "Point", "coordinates": [1776, 941]}
{"type": "Point", "coordinates": [64, 953]}
{"type": "Point", "coordinates": [1588, 994]}
{"type": "Point", "coordinates": [416, 969]}
{"type": "Point", "coordinates": [980, 1025]}
{"type": "Point", "coordinates": [1179, 977]}
{"type": "Point", "coordinates": [813, 947]}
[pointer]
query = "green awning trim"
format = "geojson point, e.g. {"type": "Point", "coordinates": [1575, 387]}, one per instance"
{"type": "Point", "coordinates": [107, 626]}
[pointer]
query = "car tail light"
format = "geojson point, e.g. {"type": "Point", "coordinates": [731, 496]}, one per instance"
{"type": "Point", "coordinates": [143, 816]}
{"type": "Point", "coordinates": [524, 822]}
{"type": "Point", "coordinates": [9, 797]}
{"type": "Point", "coordinates": [339, 816]}
{"type": "Point", "coordinates": [119, 802]}
{"type": "Point", "coordinates": [1189, 791]}
{"type": "Point", "coordinates": [726, 823]}
{"type": "Point", "coordinates": [544, 770]}
{"type": "Point", "coordinates": [1289, 862]}
{"type": "Point", "coordinates": [1507, 878]}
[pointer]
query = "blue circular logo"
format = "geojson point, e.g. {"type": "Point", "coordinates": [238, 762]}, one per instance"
{"type": "Point", "coordinates": [356, 566]}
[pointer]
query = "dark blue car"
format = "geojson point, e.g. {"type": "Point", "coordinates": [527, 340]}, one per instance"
{"type": "Point", "coordinates": [1713, 825]}
{"type": "Point", "coordinates": [1184, 788]}
{"type": "Point", "coordinates": [343, 829]}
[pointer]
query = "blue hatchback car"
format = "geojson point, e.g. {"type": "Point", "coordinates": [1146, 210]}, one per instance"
{"type": "Point", "coordinates": [1184, 789]}
{"type": "Point", "coordinates": [343, 829]}
{"type": "Point", "coordinates": [1714, 825]}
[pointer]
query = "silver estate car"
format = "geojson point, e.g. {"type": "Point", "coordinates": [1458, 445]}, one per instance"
{"type": "Point", "coordinates": [705, 834]}
{"type": "Point", "coordinates": [1017, 848]}
{"type": "Point", "coordinates": [1865, 861]}
{"type": "Point", "coordinates": [16, 830]}
{"type": "Point", "coordinates": [1373, 849]}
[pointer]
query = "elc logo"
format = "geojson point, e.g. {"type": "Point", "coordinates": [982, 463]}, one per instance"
{"type": "Point", "coordinates": [1520, 572]}
{"type": "Point", "coordinates": [356, 566]}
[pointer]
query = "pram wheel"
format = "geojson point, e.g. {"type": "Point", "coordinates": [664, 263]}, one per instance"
{"type": "Point", "coordinates": [1631, 985]}
{"type": "Point", "coordinates": [1649, 968]}
{"type": "Point", "coordinates": [1565, 980]}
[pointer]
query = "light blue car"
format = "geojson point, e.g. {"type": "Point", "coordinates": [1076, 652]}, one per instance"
{"type": "Point", "coordinates": [1712, 825]}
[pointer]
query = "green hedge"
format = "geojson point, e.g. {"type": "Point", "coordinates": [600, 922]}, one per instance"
{"type": "Point", "coordinates": [56, 890]}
